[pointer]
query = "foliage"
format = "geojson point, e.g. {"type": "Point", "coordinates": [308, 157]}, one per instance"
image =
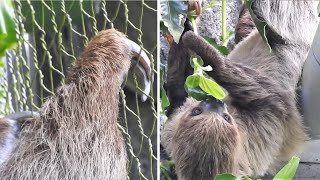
{"type": "Point", "coordinates": [225, 177]}
{"type": "Point", "coordinates": [198, 86]}
{"type": "Point", "coordinates": [163, 95]}
{"type": "Point", "coordinates": [260, 24]}
{"type": "Point", "coordinates": [289, 170]}
{"type": "Point", "coordinates": [165, 169]}
{"type": "Point", "coordinates": [221, 48]}
{"type": "Point", "coordinates": [286, 173]}
{"type": "Point", "coordinates": [8, 38]}
{"type": "Point", "coordinates": [173, 15]}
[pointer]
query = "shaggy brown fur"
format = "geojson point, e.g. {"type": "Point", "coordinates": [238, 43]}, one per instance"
{"type": "Point", "coordinates": [4, 129]}
{"type": "Point", "coordinates": [264, 129]}
{"type": "Point", "coordinates": [245, 25]}
{"type": "Point", "coordinates": [8, 132]}
{"type": "Point", "coordinates": [77, 136]}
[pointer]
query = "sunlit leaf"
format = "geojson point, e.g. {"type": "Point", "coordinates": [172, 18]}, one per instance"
{"type": "Point", "coordinates": [207, 68]}
{"type": "Point", "coordinates": [163, 28]}
{"type": "Point", "coordinates": [207, 85]}
{"type": "Point", "coordinates": [173, 15]}
{"type": "Point", "coordinates": [165, 169]}
{"type": "Point", "coordinates": [196, 61]}
{"type": "Point", "coordinates": [260, 24]}
{"type": "Point", "coordinates": [196, 93]}
{"type": "Point", "coordinates": [222, 49]}
{"type": "Point", "coordinates": [289, 170]}
{"type": "Point", "coordinates": [164, 98]}
{"type": "Point", "coordinates": [225, 177]}
{"type": "Point", "coordinates": [228, 38]}
{"type": "Point", "coordinates": [193, 81]}
{"type": "Point", "coordinates": [1, 63]}
{"type": "Point", "coordinates": [8, 38]}
{"type": "Point", "coordinates": [211, 87]}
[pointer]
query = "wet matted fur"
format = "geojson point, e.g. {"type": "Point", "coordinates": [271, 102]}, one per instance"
{"type": "Point", "coordinates": [77, 136]}
{"type": "Point", "coordinates": [263, 128]}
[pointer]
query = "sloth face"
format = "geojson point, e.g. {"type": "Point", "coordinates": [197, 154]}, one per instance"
{"type": "Point", "coordinates": [201, 135]}
{"type": "Point", "coordinates": [207, 117]}
{"type": "Point", "coordinates": [208, 120]}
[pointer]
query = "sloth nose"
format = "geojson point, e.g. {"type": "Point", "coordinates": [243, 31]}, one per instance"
{"type": "Point", "coordinates": [212, 104]}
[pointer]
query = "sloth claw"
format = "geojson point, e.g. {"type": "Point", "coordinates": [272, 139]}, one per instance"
{"type": "Point", "coordinates": [141, 67]}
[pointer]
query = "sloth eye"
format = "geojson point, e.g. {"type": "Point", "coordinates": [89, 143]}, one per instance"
{"type": "Point", "coordinates": [196, 111]}
{"type": "Point", "coordinates": [227, 118]}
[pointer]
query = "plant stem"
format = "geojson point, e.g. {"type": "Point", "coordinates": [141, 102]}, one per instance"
{"type": "Point", "coordinates": [224, 21]}
{"type": "Point", "coordinates": [194, 24]}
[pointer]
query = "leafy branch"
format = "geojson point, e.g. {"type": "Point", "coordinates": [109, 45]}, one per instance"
{"type": "Point", "coordinates": [198, 85]}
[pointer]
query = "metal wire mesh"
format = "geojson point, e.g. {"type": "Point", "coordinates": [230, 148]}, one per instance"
{"type": "Point", "coordinates": [52, 34]}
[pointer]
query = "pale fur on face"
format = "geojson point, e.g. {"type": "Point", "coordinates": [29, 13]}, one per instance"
{"type": "Point", "coordinates": [185, 133]}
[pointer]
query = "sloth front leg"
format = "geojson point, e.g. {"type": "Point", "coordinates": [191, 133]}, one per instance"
{"type": "Point", "coordinates": [247, 87]}
{"type": "Point", "coordinates": [178, 70]}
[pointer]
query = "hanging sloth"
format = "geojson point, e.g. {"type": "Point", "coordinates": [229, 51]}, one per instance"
{"type": "Point", "coordinates": [258, 127]}
{"type": "Point", "coordinates": [75, 135]}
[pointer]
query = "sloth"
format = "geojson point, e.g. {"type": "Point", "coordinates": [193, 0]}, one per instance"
{"type": "Point", "coordinates": [76, 135]}
{"type": "Point", "coordinates": [257, 128]}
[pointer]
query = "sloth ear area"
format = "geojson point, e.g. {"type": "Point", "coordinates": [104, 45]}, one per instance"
{"type": "Point", "coordinates": [140, 66]}
{"type": "Point", "coordinates": [187, 106]}
{"type": "Point", "coordinates": [190, 102]}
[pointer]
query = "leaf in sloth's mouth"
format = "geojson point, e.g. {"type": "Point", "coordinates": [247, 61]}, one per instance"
{"type": "Point", "coordinates": [198, 86]}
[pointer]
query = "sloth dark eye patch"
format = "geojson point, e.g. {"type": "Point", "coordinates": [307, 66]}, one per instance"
{"type": "Point", "coordinates": [227, 118]}
{"type": "Point", "coordinates": [196, 111]}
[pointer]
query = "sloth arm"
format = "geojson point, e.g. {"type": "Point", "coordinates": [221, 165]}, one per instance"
{"type": "Point", "coordinates": [178, 70]}
{"type": "Point", "coordinates": [249, 89]}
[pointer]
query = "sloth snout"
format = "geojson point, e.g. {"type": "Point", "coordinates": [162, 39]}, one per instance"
{"type": "Point", "coordinates": [212, 104]}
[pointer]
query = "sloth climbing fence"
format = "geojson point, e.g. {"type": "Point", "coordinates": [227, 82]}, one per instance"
{"type": "Point", "coordinates": [52, 35]}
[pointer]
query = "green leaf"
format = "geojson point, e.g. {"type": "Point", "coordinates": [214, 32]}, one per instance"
{"type": "Point", "coordinates": [289, 170]}
{"type": "Point", "coordinates": [163, 28]}
{"type": "Point", "coordinates": [228, 37]}
{"type": "Point", "coordinates": [198, 86]}
{"type": "Point", "coordinates": [207, 68]}
{"type": "Point", "coordinates": [196, 93]}
{"type": "Point", "coordinates": [8, 38]}
{"type": "Point", "coordinates": [1, 64]}
{"type": "Point", "coordinates": [225, 177]}
{"type": "Point", "coordinates": [247, 178]}
{"type": "Point", "coordinates": [260, 24]}
{"type": "Point", "coordinates": [196, 61]}
{"type": "Point", "coordinates": [207, 85]}
{"type": "Point", "coordinates": [173, 15]}
{"type": "Point", "coordinates": [193, 81]}
{"type": "Point", "coordinates": [211, 87]}
{"type": "Point", "coordinates": [164, 98]}
{"type": "Point", "coordinates": [165, 168]}
{"type": "Point", "coordinates": [222, 49]}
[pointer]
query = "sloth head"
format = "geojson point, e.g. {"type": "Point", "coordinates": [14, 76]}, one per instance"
{"type": "Point", "coordinates": [202, 138]}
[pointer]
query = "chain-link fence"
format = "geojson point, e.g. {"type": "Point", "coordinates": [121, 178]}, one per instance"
{"type": "Point", "coordinates": [52, 34]}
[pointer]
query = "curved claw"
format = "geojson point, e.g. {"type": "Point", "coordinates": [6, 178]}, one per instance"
{"type": "Point", "coordinates": [142, 70]}
{"type": "Point", "coordinates": [20, 116]}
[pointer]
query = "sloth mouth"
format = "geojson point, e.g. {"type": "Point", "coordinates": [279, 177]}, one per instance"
{"type": "Point", "coordinates": [212, 104]}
